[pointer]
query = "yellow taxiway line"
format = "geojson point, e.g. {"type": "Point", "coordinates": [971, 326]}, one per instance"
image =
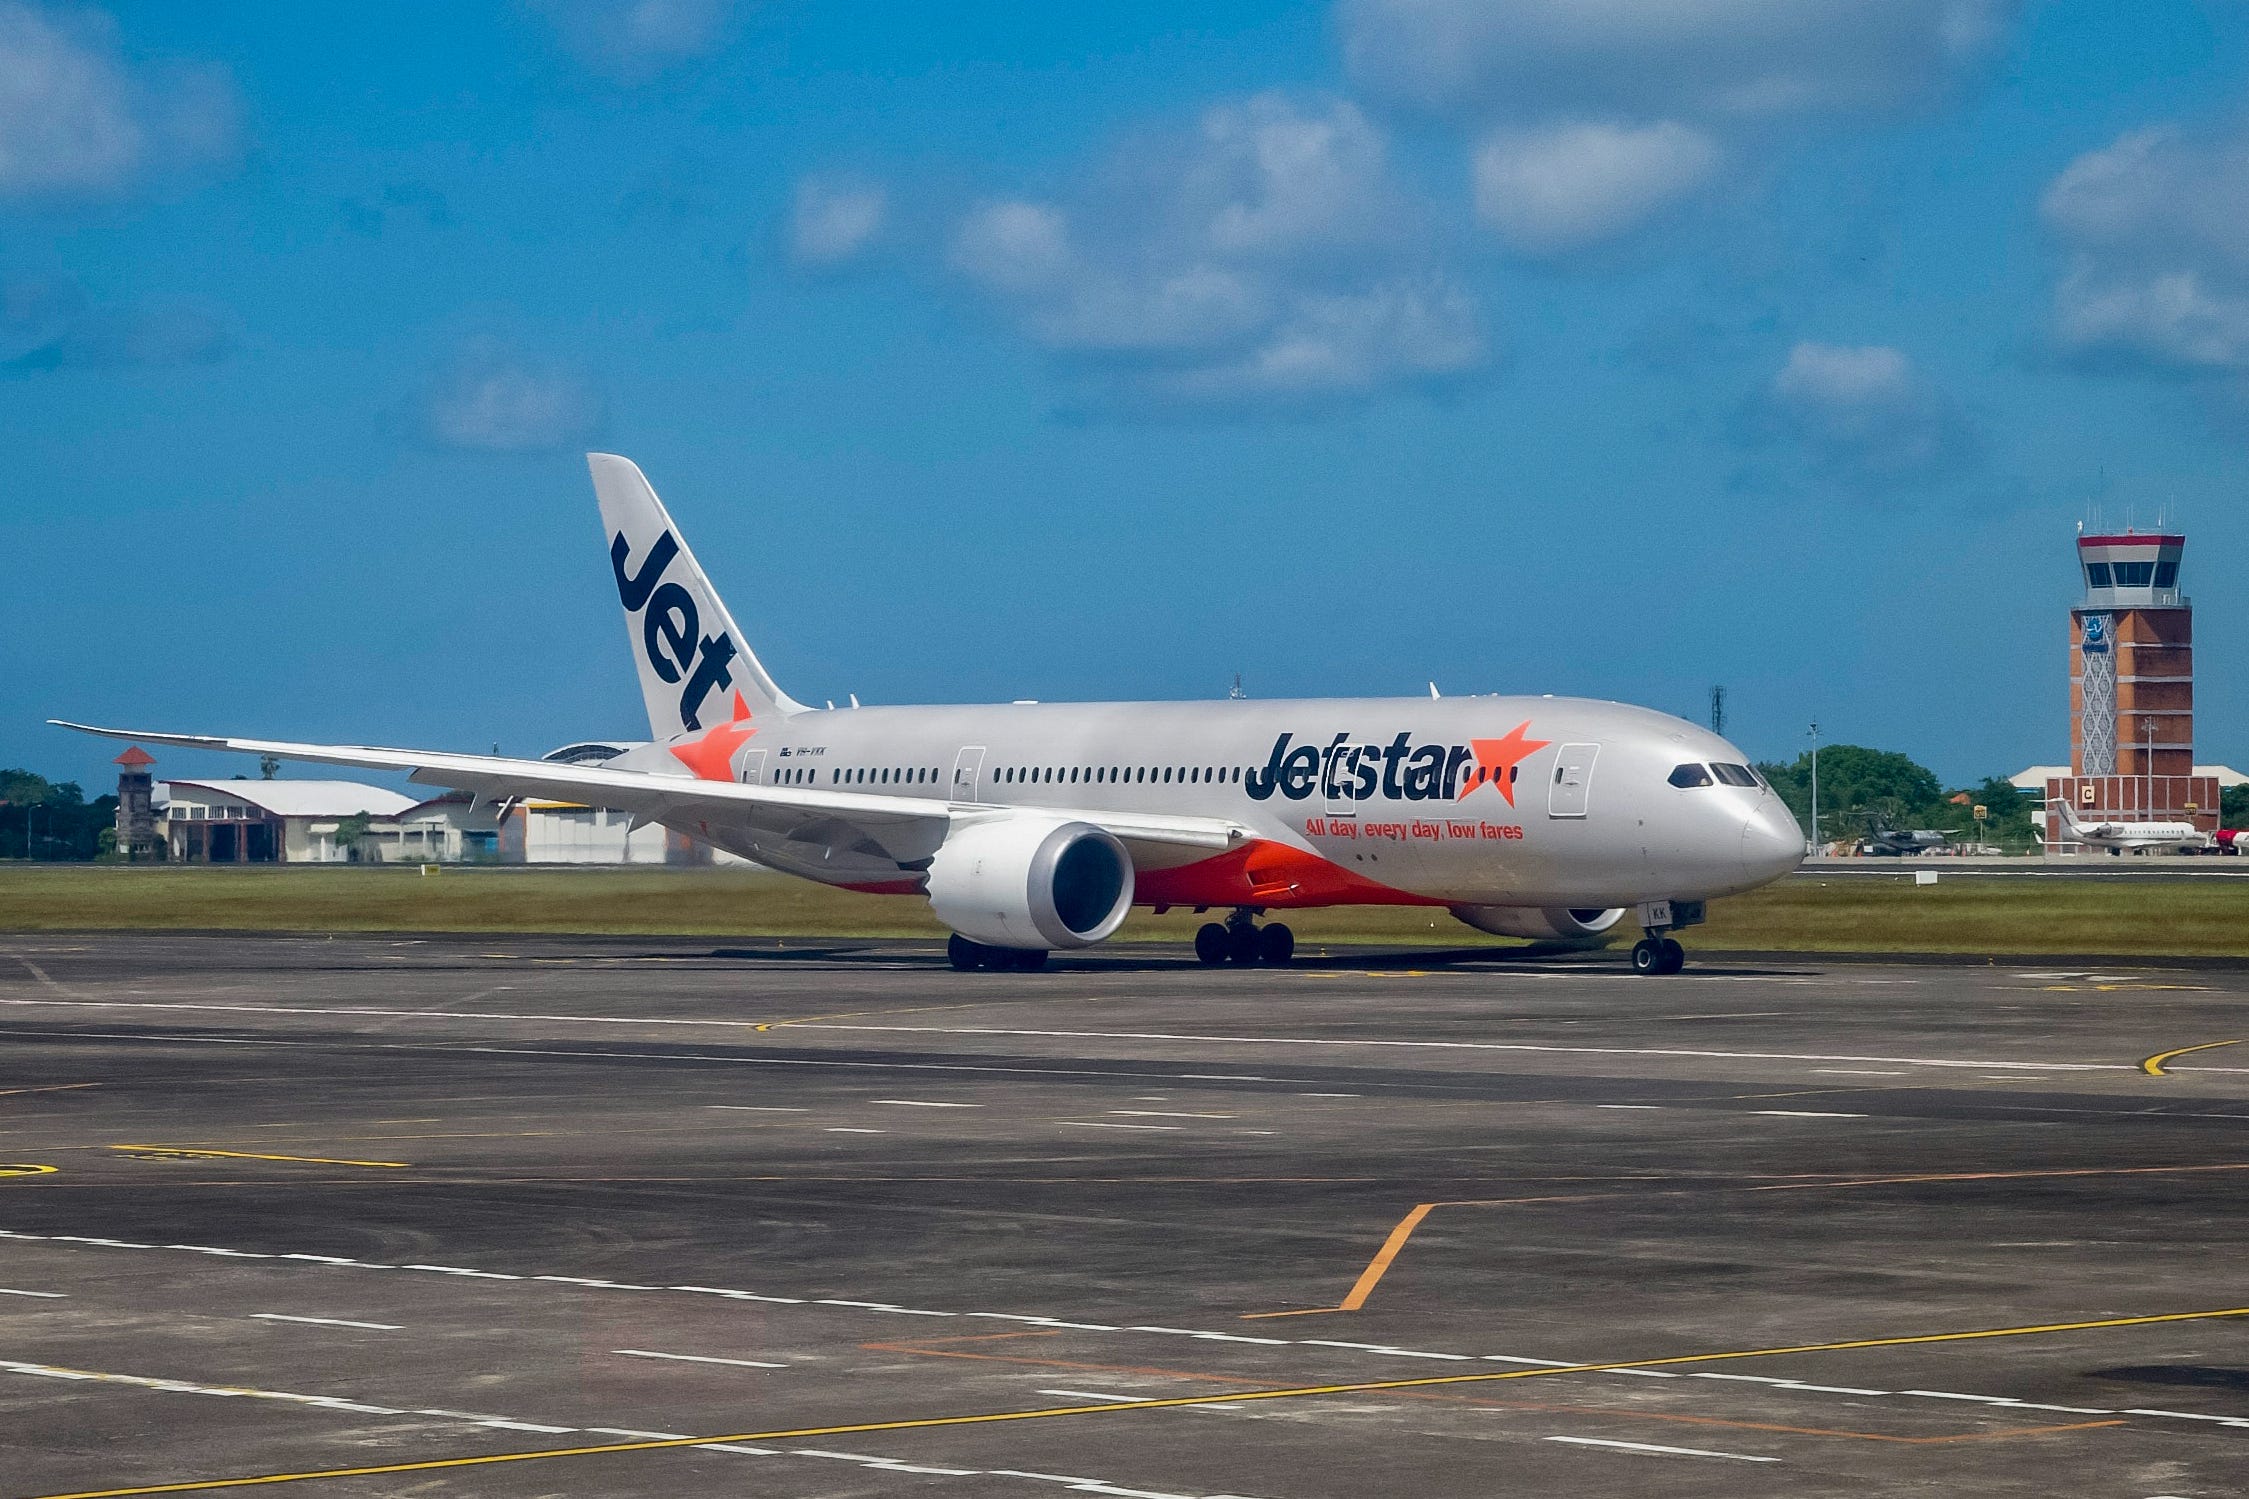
{"type": "Point", "coordinates": [2153, 1066]}
{"type": "Point", "coordinates": [251, 1155]}
{"type": "Point", "coordinates": [1289, 1392]}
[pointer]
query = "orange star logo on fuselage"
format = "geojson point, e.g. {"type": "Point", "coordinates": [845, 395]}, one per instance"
{"type": "Point", "coordinates": [710, 754]}
{"type": "Point", "coordinates": [1496, 760]}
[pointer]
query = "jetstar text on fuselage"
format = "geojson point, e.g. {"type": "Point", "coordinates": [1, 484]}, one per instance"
{"type": "Point", "coordinates": [671, 625]}
{"type": "Point", "coordinates": [1401, 770]}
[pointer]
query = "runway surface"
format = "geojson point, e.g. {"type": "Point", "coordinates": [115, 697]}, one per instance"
{"type": "Point", "coordinates": [515, 1217]}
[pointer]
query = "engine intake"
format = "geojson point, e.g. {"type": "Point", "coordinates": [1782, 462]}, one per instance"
{"type": "Point", "coordinates": [1541, 923]}
{"type": "Point", "coordinates": [1031, 882]}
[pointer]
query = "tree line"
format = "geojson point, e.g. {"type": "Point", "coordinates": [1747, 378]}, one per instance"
{"type": "Point", "coordinates": [43, 819]}
{"type": "Point", "coordinates": [1862, 791]}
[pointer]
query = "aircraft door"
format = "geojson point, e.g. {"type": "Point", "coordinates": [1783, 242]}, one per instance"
{"type": "Point", "coordinates": [1339, 785]}
{"type": "Point", "coordinates": [968, 772]}
{"type": "Point", "coordinates": [1570, 791]}
{"type": "Point", "coordinates": [751, 767]}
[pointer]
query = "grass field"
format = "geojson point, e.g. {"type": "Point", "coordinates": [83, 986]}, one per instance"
{"type": "Point", "coordinates": [1960, 915]}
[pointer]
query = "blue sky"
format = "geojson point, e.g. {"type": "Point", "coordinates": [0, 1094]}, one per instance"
{"type": "Point", "coordinates": [995, 351]}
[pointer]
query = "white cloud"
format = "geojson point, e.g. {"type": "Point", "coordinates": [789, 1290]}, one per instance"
{"type": "Point", "coordinates": [76, 120]}
{"type": "Point", "coordinates": [2156, 230]}
{"type": "Point", "coordinates": [1266, 258]}
{"type": "Point", "coordinates": [1565, 187]}
{"type": "Point", "coordinates": [635, 41]}
{"type": "Point", "coordinates": [494, 400]}
{"type": "Point", "coordinates": [1719, 59]}
{"type": "Point", "coordinates": [832, 222]}
{"type": "Point", "coordinates": [1864, 416]}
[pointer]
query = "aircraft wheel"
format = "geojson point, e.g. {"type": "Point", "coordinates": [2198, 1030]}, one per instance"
{"type": "Point", "coordinates": [1276, 944]}
{"type": "Point", "coordinates": [964, 954]}
{"type": "Point", "coordinates": [1647, 956]}
{"type": "Point", "coordinates": [1674, 956]}
{"type": "Point", "coordinates": [1242, 943]}
{"type": "Point", "coordinates": [1210, 944]}
{"type": "Point", "coordinates": [1027, 959]}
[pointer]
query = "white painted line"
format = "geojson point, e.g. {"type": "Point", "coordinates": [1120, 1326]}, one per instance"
{"type": "Point", "coordinates": [1331, 1095]}
{"type": "Point", "coordinates": [1592, 1051]}
{"type": "Point", "coordinates": [1805, 1114]}
{"type": "Point", "coordinates": [326, 1322]}
{"type": "Point", "coordinates": [597, 1284]}
{"type": "Point", "coordinates": [1739, 1457]}
{"type": "Point", "coordinates": [648, 1436]}
{"type": "Point", "coordinates": [1656, 1106]}
{"type": "Point", "coordinates": [916, 1103]}
{"type": "Point", "coordinates": [1088, 1395]}
{"type": "Point", "coordinates": [2192, 1416]}
{"type": "Point", "coordinates": [845, 1129]}
{"type": "Point", "coordinates": [42, 1295]}
{"type": "Point", "coordinates": [697, 1358]}
{"type": "Point", "coordinates": [751, 1108]}
{"type": "Point", "coordinates": [1163, 1114]}
{"type": "Point", "coordinates": [1854, 1072]}
{"type": "Point", "coordinates": [1220, 1077]}
{"type": "Point", "coordinates": [1096, 1124]}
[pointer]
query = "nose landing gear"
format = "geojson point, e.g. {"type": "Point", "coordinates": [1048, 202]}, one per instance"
{"type": "Point", "coordinates": [1657, 953]}
{"type": "Point", "coordinates": [1241, 940]}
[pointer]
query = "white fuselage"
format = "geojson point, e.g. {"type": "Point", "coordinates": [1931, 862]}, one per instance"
{"type": "Point", "coordinates": [1471, 801]}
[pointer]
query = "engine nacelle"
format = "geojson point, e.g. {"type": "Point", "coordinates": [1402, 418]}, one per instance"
{"type": "Point", "coordinates": [1541, 924]}
{"type": "Point", "coordinates": [1031, 882]}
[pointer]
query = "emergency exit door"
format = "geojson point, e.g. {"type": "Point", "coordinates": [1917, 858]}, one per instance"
{"type": "Point", "coordinates": [1568, 794]}
{"type": "Point", "coordinates": [968, 770]}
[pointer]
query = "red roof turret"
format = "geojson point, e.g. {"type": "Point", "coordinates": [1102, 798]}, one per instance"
{"type": "Point", "coordinates": [135, 757]}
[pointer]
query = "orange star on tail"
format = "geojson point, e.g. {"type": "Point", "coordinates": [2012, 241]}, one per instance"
{"type": "Point", "coordinates": [711, 754]}
{"type": "Point", "coordinates": [1496, 760]}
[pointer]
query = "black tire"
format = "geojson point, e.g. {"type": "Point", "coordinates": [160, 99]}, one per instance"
{"type": "Point", "coordinates": [1674, 956]}
{"type": "Point", "coordinates": [1210, 944]}
{"type": "Point", "coordinates": [1276, 944]}
{"type": "Point", "coordinates": [1647, 956]}
{"type": "Point", "coordinates": [964, 954]}
{"type": "Point", "coordinates": [1028, 959]}
{"type": "Point", "coordinates": [1241, 944]}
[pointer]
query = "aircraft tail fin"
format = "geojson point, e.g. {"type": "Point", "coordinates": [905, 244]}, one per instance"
{"type": "Point", "coordinates": [2070, 825]}
{"type": "Point", "coordinates": [695, 666]}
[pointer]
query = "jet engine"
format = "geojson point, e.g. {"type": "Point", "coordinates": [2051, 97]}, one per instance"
{"type": "Point", "coordinates": [1542, 924]}
{"type": "Point", "coordinates": [1031, 882]}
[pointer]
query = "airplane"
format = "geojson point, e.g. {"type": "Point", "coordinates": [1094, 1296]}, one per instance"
{"type": "Point", "coordinates": [2117, 837]}
{"type": "Point", "coordinates": [1884, 842]}
{"type": "Point", "coordinates": [1030, 827]}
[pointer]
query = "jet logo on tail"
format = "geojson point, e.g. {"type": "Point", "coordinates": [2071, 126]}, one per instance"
{"type": "Point", "coordinates": [669, 626]}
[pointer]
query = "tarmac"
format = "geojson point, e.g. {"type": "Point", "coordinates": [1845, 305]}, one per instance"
{"type": "Point", "coordinates": [374, 1216]}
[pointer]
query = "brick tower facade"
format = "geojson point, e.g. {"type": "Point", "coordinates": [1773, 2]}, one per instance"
{"type": "Point", "coordinates": [2131, 690]}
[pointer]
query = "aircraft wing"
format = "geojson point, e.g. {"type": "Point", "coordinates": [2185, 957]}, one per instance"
{"type": "Point", "coordinates": [689, 799]}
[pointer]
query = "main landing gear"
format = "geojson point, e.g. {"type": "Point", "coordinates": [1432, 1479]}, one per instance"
{"type": "Point", "coordinates": [1241, 940]}
{"type": "Point", "coordinates": [964, 955]}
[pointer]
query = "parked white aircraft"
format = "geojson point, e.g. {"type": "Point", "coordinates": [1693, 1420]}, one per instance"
{"type": "Point", "coordinates": [1036, 826]}
{"type": "Point", "coordinates": [2117, 837]}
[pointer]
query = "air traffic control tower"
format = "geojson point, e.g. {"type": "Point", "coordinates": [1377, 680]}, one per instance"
{"type": "Point", "coordinates": [2131, 690]}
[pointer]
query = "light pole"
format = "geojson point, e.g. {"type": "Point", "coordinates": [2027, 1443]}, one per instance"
{"type": "Point", "coordinates": [1815, 733]}
{"type": "Point", "coordinates": [2147, 768]}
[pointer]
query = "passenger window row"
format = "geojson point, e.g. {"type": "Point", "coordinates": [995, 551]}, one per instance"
{"type": "Point", "coordinates": [1048, 775]}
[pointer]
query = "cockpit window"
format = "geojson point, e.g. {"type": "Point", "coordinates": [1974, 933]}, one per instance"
{"type": "Point", "coordinates": [1734, 775]}
{"type": "Point", "coordinates": [1689, 775]}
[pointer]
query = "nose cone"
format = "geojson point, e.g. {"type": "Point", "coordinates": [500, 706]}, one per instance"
{"type": "Point", "coordinates": [1771, 842]}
